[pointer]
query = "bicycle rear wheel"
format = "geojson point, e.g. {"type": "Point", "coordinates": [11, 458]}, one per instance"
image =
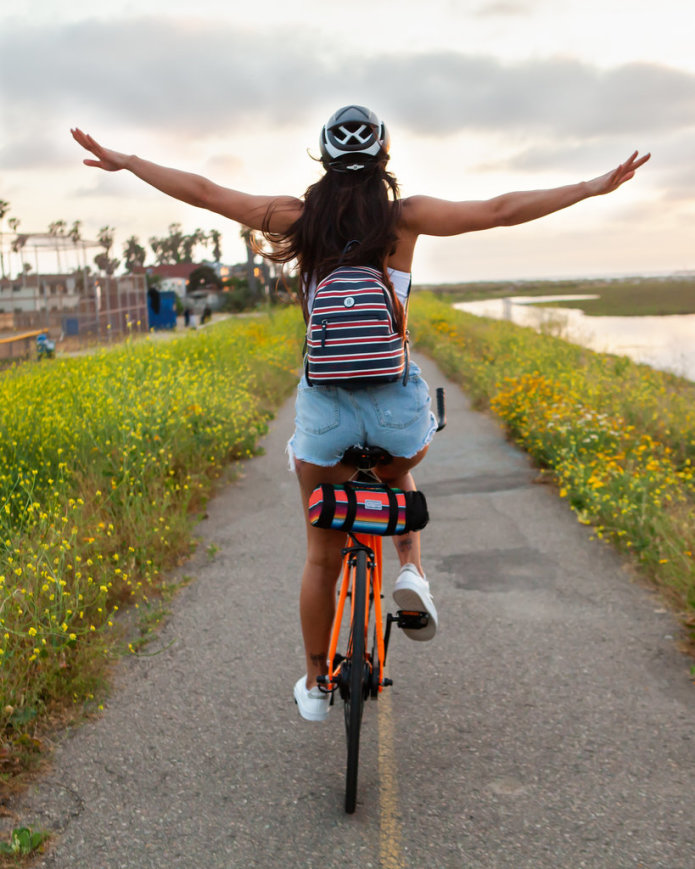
{"type": "Point", "coordinates": [354, 702]}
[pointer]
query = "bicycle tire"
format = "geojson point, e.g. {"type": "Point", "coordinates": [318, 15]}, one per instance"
{"type": "Point", "coordinates": [354, 703]}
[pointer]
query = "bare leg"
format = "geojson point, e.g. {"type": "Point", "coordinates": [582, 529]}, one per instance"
{"type": "Point", "coordinates": [321, 570]}
{"type": "Point", "coordinates": [324, 555]}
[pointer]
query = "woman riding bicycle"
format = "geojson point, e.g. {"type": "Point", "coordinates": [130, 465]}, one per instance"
{"type": "Point", "coordinates": [356, 200]}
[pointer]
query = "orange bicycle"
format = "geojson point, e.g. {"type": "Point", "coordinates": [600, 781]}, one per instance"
{"type": "Point", "coordinates": [358, 674]}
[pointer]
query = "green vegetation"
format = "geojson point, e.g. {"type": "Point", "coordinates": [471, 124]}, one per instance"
{"type": "Point", "coordinates": [618, 438]}
{"type": "Point", "coordinates": [23, 842]}
{"type": "Point", "coordinates": [105, 462]}
{"type": "Point", "coordinates": [619, 297]}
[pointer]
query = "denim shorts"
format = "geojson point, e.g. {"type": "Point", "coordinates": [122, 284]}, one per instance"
{"type": "Point", "coordinates": [329, 419]}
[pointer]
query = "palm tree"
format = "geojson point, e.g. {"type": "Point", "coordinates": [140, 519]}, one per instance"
{"type": "Point", "coordinates": [249, 238]}
{"type": "Point", "coordinates": [134, 253]}
{"type": "Point", "coordinates": [75, 236]}
{"type": "Point", "coordinates": [26, 268]}
{"type": "Point", "coordinates": [103, 261]}
{"type": "Point", "coordinates": [57, 230]}
{"type": "Point", "coordinates": [188, 243]}
{"type": "Point", "coordinates": [4, 208]}
{"type": "Point", "coordinates": [105, 237]}
{"type": "Point", "coordinates": [157, 245]}
{"type": "Point", "coordinates": [173, 242]}
{"type": "Point", "coordinates": [13, 223]}
{"type": "Point", "coordinates": [215, 236]}
{"type": "Point", "coordinates": [75, 232]}
{"type": "Point", "coordinates": [172, 248]}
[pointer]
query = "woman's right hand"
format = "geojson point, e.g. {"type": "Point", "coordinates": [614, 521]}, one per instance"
{"type": "Point", "coordinates": [110, 161]}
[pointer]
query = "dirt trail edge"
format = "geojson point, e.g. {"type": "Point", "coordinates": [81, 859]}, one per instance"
{"type": "Point", "coordinates": [549, 724]}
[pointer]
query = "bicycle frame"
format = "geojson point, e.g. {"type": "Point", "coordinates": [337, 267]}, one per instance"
{"type": "Point", "coordinates": [355, 684]}
{"type": "Point", "coordinates": [372, 543]}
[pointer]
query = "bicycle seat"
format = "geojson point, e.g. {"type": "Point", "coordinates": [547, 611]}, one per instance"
{"type": "Point", "coordinates": [367, 457]}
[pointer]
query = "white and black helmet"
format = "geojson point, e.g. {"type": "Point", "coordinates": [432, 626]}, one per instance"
{"type": "Point", "coordinates": [352, 137]}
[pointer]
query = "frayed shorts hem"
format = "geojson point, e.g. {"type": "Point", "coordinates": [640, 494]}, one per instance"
{"type": "Point", "coordinates": [293, 458]}
{"type": "Point", "coordinates": [329, 420]}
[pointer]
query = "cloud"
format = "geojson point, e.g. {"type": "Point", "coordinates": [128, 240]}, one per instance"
{"type": "Point", "coordinates": [677, 178]}
{"type": "Point", "coordinates": [102, 186]}
{"type": "Point", "coordinates": [31, 152]}
{"type": "Point", "coordinates": [583, 157]}
{"type": "Point", "coordinates": [197, 80]}
{"type": "Point", "coordinates": [153, 71]}
{"type": "Point", "coordinates": [556, 96]}
{"type": "Point", "coordinates": [504, 9]}
{"type": "Point", "coordinates": [223, 164]}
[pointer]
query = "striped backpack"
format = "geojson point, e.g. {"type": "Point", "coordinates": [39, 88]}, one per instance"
{"type": "Point", "coordinates": [351, 338]}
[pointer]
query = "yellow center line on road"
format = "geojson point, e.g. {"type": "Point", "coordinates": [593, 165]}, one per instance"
{"type": "Point", "coordinates": [390, 834]}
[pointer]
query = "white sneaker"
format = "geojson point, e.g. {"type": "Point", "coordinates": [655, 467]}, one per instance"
{"type": "Point", "coordinates": [412, 594]}
{"type": "Point", "coordinates": [312, 703]}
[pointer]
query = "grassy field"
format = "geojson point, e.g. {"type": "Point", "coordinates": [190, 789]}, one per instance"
{"type": "Point", "coordinates": [106, 460]}
{"type": "Point", "coordinates": [616, 437]}
{"type": "Point", "coordinates": [619, 297]}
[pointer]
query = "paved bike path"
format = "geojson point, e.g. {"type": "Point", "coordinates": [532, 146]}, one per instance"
{"type": "Point", "coordinates": [549, 724]}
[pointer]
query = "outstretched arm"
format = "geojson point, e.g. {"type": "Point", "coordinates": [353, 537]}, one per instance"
{"type": "Point", "coordinates": [425, 215]}
{"type": "Point", "coordinates": [196, 190]}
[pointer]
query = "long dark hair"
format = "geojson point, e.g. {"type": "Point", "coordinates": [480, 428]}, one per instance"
{"type": "Point", "coordinates": [343, 206]}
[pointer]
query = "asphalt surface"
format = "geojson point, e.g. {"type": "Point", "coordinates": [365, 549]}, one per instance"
{"type": "Point", "coordinates": [549, 724]}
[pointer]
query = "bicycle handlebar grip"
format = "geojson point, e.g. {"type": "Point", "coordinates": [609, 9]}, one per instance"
{"type": "Point", "coordinates": [441, 408]}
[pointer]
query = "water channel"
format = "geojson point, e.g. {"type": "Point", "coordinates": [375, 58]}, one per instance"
{"type": "Point", "coordinates": [666, 343]}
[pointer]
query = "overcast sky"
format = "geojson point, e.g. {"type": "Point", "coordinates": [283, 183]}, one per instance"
{"type": "Point", "coordinates": [480, 97]}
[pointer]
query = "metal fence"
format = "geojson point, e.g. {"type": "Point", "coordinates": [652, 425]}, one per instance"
{"type": "Point", "coordinates": [75, 310]}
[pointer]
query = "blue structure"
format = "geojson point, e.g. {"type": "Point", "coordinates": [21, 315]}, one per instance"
{"type": "Point", "coordinates": [45, 348]}
{"type": "Point", "coordinates": [161, 309]}
{"type": "Point", "coordinates": [71, 326]}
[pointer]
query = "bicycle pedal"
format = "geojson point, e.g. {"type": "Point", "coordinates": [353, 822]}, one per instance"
{"type": "Point", "coordinates": [412, 620]}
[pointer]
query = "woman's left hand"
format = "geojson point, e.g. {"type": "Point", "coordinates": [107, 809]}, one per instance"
{"type": "Point", "coordinates": [612, 180]}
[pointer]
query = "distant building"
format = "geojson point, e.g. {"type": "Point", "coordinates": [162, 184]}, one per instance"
{"type": "Point", "coordinates": [39, 293]}
{"type": "Point", "coordinates": [76, 304]}
{"type": "Point", "coordinates": [236, 271]}
{"type": "Point", "coordinates": [174, 278]}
